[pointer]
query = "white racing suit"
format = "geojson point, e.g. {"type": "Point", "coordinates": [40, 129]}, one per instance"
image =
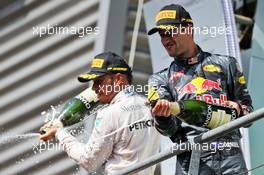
{"type": "Point", "coordinates": [123, 135]}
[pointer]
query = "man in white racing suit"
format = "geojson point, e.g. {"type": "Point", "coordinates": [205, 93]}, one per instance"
{"type": "Point", "coordinates": [124, 132]}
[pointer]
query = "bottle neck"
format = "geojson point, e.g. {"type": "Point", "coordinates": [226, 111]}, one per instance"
{"type": "Point", "coordinates": [175, 108]}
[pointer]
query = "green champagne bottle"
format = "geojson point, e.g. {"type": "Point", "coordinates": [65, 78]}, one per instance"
{"type": "Point", "coordinates": [200, 113]}
{"type": "Point", "coordinates": [195, 112]}
{"type": "Point", "coordinates": [75, 109]}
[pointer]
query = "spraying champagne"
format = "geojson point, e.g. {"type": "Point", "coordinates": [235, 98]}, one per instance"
{"type": "Point", "coordinates": [75, 109]}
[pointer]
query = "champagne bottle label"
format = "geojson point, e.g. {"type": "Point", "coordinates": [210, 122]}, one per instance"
{"type": "Point", "coordinates": [215, 118]}
{"type": "Point", "coordinates": [84, 101]}
{"type": "Point", "coordinates": [219, 118]}
{"type": "Point", "coordinates": [88, 97]}
{"type": "Point", "coordinates": [77, 107]}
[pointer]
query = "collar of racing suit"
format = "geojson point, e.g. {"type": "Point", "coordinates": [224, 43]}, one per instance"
{"type": "Point", "coordinates": [127, 91]}
{"type": "Point", "coordinates": [190, 61]}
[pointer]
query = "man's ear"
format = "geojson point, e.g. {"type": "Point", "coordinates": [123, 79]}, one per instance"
{"type": "Point", "coordinates": [121, 79]}
{"type": "Point", "coordinates": [118, 78]}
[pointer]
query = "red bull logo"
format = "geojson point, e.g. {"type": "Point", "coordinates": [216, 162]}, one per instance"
{"type": "Point", "coordinates": [211, 100]}
{"type": "Point", "coordinates": [199, 86]}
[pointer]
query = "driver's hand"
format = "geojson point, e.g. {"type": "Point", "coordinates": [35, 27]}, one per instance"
{"type": "Point", "coordinates": [233, 104]}
{"type": "Point", "coordinates": [162, 108]}
{"type": "Point", "coordinates": [48, 130]}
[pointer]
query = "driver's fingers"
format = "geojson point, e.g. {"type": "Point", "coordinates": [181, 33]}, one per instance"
{"type": "Point", "coordinates": [162, 108]}
{"type": "Point", "coordinates": [47, 136]}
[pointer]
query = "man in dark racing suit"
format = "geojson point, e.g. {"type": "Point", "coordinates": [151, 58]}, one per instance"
{"type": "Point", "coordinates": [195, 74]}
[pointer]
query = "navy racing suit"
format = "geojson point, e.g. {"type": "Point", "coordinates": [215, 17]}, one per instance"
{"type": "Point", "coordinates": [214, 79]}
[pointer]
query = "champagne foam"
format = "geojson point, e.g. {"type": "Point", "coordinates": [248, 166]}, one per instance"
{"type": "Point", "coordinates": [17, 138]}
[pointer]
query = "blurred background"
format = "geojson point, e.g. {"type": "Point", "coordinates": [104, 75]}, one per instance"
{"type": "Point", "coordinates": [39, 66]}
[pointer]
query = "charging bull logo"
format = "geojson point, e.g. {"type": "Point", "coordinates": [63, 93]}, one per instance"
{"type": "Point", "coordinates": [199, 86]}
